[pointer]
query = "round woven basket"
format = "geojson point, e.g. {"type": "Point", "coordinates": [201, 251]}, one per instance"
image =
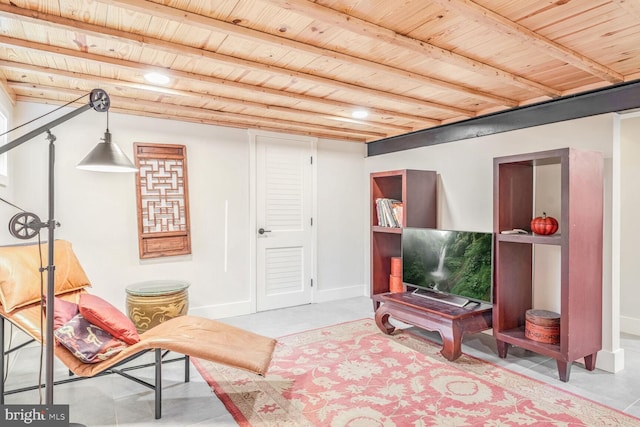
{"type": "Point", "coordinates": [542, 326]}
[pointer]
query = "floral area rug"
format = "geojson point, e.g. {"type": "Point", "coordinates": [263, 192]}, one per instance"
{"type": "Point", "coordinates": [353, 375]}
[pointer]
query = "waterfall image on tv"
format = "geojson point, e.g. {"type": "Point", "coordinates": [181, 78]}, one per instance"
{"type": "Point", "coordinates": [452, 262]}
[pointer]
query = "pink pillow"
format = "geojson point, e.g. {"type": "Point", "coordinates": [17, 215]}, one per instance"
{"type": "Point", "coordinates": [104, 315]}
{"type": "Point", "coordinates": [63, 311]}
{"type": "Point", "coordinates": [88, 342]}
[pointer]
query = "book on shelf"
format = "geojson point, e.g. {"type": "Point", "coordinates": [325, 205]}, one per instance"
{"type": "Point", "coordinates": [389, 212]}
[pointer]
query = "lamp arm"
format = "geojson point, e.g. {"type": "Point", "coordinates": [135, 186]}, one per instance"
{"type": "Point", "coordinates": [98, 100]}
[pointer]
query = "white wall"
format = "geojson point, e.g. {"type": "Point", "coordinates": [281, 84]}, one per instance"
{"type": "Point", "coordinates": [97, 211]}
{"type": "Point", "coordinates": [629, 214]}
{"type": "Point", "coordinates": [465, 167]}
{"type": "Point", "coordinates": [340, 220]}
{"type": "Point", "coordinates": [465, 196]}
{"type": "Point", "coordinates": [6, 191]}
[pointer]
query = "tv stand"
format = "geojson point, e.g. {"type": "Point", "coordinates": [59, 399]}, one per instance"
{"type": "Point", "coordinates": [450, 321]}
{"type": "Point", "coordinates": [442, 297]}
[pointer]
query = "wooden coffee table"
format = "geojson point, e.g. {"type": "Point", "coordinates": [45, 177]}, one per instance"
{"type": "Point", "coordinates": [450, 321]}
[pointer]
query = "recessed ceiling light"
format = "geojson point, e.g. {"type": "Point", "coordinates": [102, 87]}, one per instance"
{"type": "Point", "coordinates": [156, 78]}
{"type": "Point", "coordinates": [360, 114]}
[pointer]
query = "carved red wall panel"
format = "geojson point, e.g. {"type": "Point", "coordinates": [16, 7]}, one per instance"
{"type": "Point", "coordinates": [163, 200]}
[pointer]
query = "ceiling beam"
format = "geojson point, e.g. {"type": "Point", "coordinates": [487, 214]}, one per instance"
{"type": "Point", "coordinates": [632, 7]}
{"type": "Point", "coordinates": [166, 46]}
{"type": "Point", "coordinates": [136, 112]}
{"type": "Point", "coordinates": [249, 120]}
{"type": "Point", "coordinates": [4, 85]}
{"type": "Point", "coordinates": [498, 22]}
{"type": "Point", "coordinates": [91, 79]}
{"type": "Point", "coordinates": [621, 97]}
{"type": "Point", "coordinates": [252, 90]}
{"type": "Point", "coordinates": [208, 23]}
{"type": "Point", "coordinates": [421, 47]}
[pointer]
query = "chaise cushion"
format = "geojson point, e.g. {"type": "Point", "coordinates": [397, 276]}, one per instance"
{"type": "Point", "coordinates": [88, 342]}
{"type": "Point", "coordinates": [196, 336]}
{"type": "Point", "coordinates": [104, 315]}
{"type": "Point", "coordinates": [20, 281]}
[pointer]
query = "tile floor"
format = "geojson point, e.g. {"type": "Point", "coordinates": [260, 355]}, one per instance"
{"type": "Point", "coordinates": [114, 401]}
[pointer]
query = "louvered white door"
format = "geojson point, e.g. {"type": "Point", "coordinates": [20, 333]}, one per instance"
{"type": "Point", "coordinates": [283, 218]}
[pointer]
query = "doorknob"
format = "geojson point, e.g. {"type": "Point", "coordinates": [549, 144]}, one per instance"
{"type": "Point", "coordinates": [262, 231]}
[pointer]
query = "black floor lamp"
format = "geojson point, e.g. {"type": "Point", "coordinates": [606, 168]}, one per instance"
{"type": "Point", "coordinates": [105, 157]}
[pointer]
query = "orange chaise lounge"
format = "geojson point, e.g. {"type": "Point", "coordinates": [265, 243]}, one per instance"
{"type": "Point", "coordinates": [21, 296]}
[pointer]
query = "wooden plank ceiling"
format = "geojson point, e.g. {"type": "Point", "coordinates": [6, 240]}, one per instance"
{"type": "Point", "coordinates": [303, 67]}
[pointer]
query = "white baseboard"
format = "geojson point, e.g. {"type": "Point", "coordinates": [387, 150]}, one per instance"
{"type": "Point", "coordinates": [610, 361]}
{"type": "Point", "coordinates": [325, 295]}
{"type": "Point", "coordinates": [630, 325]}
{"type": "Point", "coordinates": [222, 310]}
{"type": "Point", "coordinates": [244, 307]}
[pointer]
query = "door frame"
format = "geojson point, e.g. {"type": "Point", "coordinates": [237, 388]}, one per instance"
{"type": "Point", "coordinates": [253, 225]}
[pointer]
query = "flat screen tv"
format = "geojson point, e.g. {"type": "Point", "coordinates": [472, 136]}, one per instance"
{"type": "Point", "coordinates": [455, 267]}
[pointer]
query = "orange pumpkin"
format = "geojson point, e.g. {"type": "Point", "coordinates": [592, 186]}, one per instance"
{"type": "Point", "coordinates": [544, 224]}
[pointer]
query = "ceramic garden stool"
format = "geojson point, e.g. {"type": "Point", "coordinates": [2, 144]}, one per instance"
{"type": "Point", "coordinates": [151, 303]}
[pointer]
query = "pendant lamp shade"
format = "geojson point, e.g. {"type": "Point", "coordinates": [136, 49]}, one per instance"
{"type": "Point", "coordinates": [107, 157]}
